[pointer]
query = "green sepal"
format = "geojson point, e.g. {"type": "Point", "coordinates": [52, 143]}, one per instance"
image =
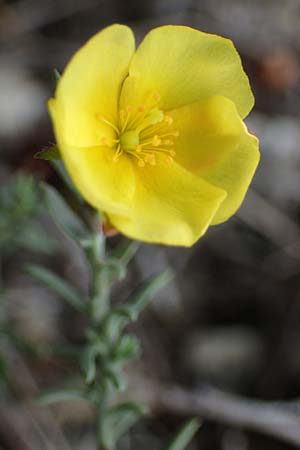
{"type": "Point", "coordinates": [56, 76]}
{"type": "Point", "coordinates": [48, 153]}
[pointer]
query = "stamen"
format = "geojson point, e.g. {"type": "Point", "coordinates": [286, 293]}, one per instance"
{"type": "Point", "coordinates": [103, 119]}
{"type": "Point", "coordinates": [156, 97]}
{"type": "Point", "coordinates": [150, 158]}
{"type": "Point", "coordinates": [104, 141]}
{"type": "Point", "coordinates": [168, 142]}
{"type": "Point", "coordinates": [171, 133]}
{"type": "Point", "coordinates": [124, 117]}
{"type": "Point", "coordinates": [156, 141]}
{"type": "Point", "coordinates": [142, 133]}
{"type": "Point", "coordinates": [142, 110]}
{"type": "Point", "coordinates": [169, 120]}
{"type": "Point", "coordinates": [169, 160]}
{"type": "Point", "coordinates": [108, 142]}
{"type": "Point", "coordinates": [118, 153]}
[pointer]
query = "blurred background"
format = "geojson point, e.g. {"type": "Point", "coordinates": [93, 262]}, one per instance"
{"type": "Point", "coordinates": [228, 327]}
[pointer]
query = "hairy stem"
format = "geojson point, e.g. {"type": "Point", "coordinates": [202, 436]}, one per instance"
{"type": "Point", "coordinates": [99, 308]}
{"type": "Point", "coordinates": [100, 295]}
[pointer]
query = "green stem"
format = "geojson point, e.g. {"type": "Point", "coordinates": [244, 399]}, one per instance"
{"type": "Point", "coordinates": [99, 307]}
{"type": "Point", "coordinates": [101, 413]}
{"type": "Point", "coordinates": [100, 295]}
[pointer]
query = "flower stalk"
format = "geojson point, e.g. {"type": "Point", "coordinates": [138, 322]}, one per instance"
{"type": "Point", "coordinates": [100, 290]}
{"type": "Point", "coordinates": [99, 310]}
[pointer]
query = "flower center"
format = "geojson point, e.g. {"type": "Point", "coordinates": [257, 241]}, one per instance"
{"type": "Point", "coordinates": [144, 132]}
{"type": "Point", "coordinates": [129, 139]}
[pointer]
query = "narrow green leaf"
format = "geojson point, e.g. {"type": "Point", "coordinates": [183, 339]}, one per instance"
{"type": "Point", "coordinates": [48, 153]}
{"type": "Point", "coordinates": [116, 269]}
{"type": "Point", "coordinates": [63, 215]}
{"type": "Point", "coordinates": [147, 291]}
{"type": "Point", "coordinates": [33, 237]}
{"type": "Point", "coordinates": [120, 316]}
{"type": "Point", "coordinates": [55, 396]}
{"type": "Point", "coordinates": [118, 421]}
{"type": "Point", "coordinates": [128, 347]}
{"type": "Point", "coordinates": [57, 284]}
{"type": "Point", "coordinates": [89, 365]}
{"type": "Point", "coordinates": [88, 360]}
{"type": "Point", "coordinates": [126, 251]}
{"type": "Point", "coordinates": [116, 321]}
{"type": "Point", "coordinates": [116, 377]}
{"type": "Point", "coordinates": [185, 435]}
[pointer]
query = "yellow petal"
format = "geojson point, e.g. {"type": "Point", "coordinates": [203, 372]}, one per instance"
{"type": "Point", "coordinates": [90, 86]}
{"type": "Point", "coordinates": [208, 131]}
{"type": "Point", "coordinates": [170, 206]}
{"type": "Point", "coordinates": [107, 185]}
{"type": "Point", "coordinates": [184, 65]}
{"type": "Point", "coordinates": [213, 143]}
{"type": "Point", "coordinates": [234, 174]}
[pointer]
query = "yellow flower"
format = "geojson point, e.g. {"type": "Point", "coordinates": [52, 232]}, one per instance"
{"type": "Point", "coordinates": [154, 138]}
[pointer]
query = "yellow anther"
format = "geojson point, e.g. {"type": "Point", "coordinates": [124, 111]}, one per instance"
{"type": "Point", "coordinates": [169, 120]}
{"type": "Point", "coordinates": [169, 160]}
{"type": "Point", "coordinates": [156, 141]}
{"type": "Point", "coordinates": [154, 117]}
{"type": "Point", "coordinates": [175, 133]}
{"type": "Point", "coordinates": [141, 108]}
{"type": "Point", "coordinates": [106, 142]}
{"type": "Point", "coordinates": [138, 148]}
{"type": "Point", "coordinates": [129, 108]}
{"type": "Point", "coordinates": [172, 153]}
{"type": "Point", "coordinates": [141, 163]}
{"type": "Point", "coordinates": [150, 158]}
{"type": "Point", "coordinates": [168, 142]}
{"type": "Point", "coordinates": [156, 97]}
